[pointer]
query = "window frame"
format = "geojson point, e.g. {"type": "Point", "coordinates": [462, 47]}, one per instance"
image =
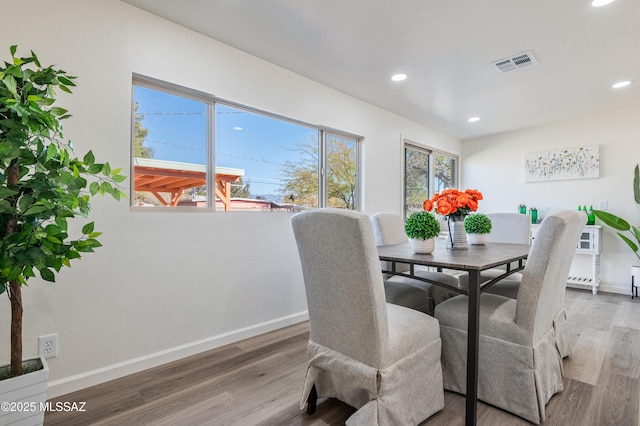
{"type": "Point", "coordinates": [408, 144]}
{"type": "Point", "coordinates": [211, 100]}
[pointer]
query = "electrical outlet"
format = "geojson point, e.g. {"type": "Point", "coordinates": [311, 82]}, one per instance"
{"type": "Point", "coordinates": [48, 346]}
{"type": "Point", "coordinates": [602, 205]}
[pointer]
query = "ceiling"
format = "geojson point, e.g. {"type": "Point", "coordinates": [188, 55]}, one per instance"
{"type": "Point", "coordinates": [446, 47]}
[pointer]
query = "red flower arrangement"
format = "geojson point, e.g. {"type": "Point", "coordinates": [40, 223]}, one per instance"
{"type": "Point", "coordinates": [452, 202]}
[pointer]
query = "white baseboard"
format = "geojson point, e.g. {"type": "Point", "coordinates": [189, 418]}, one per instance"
{"type": "Point", "coordinates": [615, 289]}
{"type": "Point", "coordinates": [603, 287]}
{"type": "Point", "coordinates": [74, 383]}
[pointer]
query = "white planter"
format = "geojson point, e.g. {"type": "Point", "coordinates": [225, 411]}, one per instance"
{"type": "Point", "coordinates": [477, 239]}
{"type": "Point", "coordinates": [24, 397]}
{"type": "Point", "coordinates": [635, 280]}
{"type": "Point", "coordinates": [423, 246]}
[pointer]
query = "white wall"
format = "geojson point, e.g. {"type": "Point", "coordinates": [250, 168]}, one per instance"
{"type": "Point", "coordinates": [494, 165]}
{"type": "Point", "coordinates": [169, 284]}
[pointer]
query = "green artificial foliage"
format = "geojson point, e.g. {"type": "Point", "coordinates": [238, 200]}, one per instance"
{"type": "Point", "coordinates": [633, 238]}
{"type": "Point", "coordinates": [619, 224]}
{"type": "Point", "coordinates": [636, 184]}
{"type": "Point", "coordinates": [477, 224]}
{"type": "Point", "coordinates": [422, 225]}
{"type": "Point", "coordinates": [42, 184]}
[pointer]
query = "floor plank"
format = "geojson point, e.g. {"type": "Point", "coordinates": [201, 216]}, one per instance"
{"type": "Point", "coordinates": [259, 381]}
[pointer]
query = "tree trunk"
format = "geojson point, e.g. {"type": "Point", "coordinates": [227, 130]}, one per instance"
{"type": "Point", "coordinates": [16, 329]}
{"type": "Point", "coordinates": [15, 292]}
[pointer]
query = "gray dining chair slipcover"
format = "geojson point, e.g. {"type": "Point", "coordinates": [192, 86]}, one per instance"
{"type": "Point", "coordinates": [380, 358]}
{"type": "Point", "coordinates": [512, 228]}
{"type": "Point", "coordinates": [515, 228]}
{"type": "Point", "coordinates": [507, 227]}
{"type": "Point", "coordinates": [519, 365]}
{"type": "Point", "coordinates": [388, 228]}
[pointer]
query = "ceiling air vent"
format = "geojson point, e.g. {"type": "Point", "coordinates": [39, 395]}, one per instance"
{"type": "Point", "coordinates": [516, 62]}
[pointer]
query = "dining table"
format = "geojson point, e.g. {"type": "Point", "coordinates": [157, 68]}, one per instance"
{"type": "Point", "coordinates": [473, 261]}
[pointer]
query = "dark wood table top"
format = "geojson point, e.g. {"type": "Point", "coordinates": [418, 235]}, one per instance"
{"type": "Point", "coordinates": [476, 258]}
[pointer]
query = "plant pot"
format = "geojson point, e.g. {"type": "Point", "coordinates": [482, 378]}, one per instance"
{"type": "Point", "coordinates": [423, 246]}
{"type": "Point", "coordinates": [635, 280]}
{"type": "Point", "coordinates": [24, 396]}
{"type": "Point", "coordinates": [477, 239]}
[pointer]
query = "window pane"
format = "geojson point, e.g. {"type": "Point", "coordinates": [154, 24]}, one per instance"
{"type": "Point", "coordinates": [416, 179]}
{"type": "Point", "coordinates": [444, 173]}
{"type": "Point", "coordinates": [341, 154]}
{"type": "Point", "coordinates": [170, 149]}
{"type": "Point", "coordinates": [275, 161]}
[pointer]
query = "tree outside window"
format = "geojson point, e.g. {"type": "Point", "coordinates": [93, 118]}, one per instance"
{"type": "Point", "coordinates": [426, 172]}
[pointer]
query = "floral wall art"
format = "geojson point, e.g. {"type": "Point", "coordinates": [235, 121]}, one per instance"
{"type": "Point", "coordinates": [567, 163]}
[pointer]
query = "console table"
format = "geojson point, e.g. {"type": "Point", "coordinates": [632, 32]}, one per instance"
{"type": "Point", "coordinates": [589, 244]}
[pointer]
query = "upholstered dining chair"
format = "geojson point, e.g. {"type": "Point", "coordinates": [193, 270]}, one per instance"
{"type": "Point", "coordinates": [519, 365]}
{"type": "Point", "coordinates": [515, 228]}
{"type": "Point", "coordinates": [380, 358]}
{"type": "Point", "coordinates": [388, 228]}
{"type": "Point", "coordinates": [509, 228]}
{"type": "Point", "coordinates": [512, 228]}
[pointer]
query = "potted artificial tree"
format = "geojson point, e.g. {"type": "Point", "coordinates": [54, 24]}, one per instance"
{"type": "Point", "coordinates": [42, 186]}
{"type": "Point", "coordinates": [477, 226]}
{"type": "Point", "coordinates": [421, 228]}
{"type": "Point", "coordinates": [632, 239]}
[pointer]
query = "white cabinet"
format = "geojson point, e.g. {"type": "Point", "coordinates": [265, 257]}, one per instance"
{"type": "Point", "coordinates": [588, 244]}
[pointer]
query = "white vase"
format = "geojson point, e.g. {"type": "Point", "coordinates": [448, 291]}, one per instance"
{"type": "Point", "coordinates": [423, 246]}
{"type": "Point", "coordinates": [457, 238]}
{"type": "Point", "coordinates": [25, 395]}
{"type": "Point", "coordinates": [477, 239]}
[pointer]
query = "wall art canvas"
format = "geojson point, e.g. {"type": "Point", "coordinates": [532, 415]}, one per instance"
{"type": "Point", "coordinates": [567, 163]}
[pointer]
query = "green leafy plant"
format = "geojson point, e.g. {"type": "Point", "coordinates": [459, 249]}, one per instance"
{"type": "Point", "coordinates": [42, 184]}
{"type": "Point", "coordinates": [477, 224]}
{"type": "Point", "coordinates": [633, 238]}
{"type": "Point", "coordinates": [422, 225]}
{"type": "Point", "coordinates": [636, 184]}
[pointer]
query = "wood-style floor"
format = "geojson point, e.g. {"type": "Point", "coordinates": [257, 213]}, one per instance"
{"type": "Point", "coordinates": [259, 381]}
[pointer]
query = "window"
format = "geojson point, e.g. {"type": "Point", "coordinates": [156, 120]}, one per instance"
{"type": "Point", "coordinates": [169, 148]}
{"type": "Point", "coordinates": [425, 173]}
{"type": "Point", "coordinates": [189, 145]}
{"type": "Point", "coordinates": [340, 171]}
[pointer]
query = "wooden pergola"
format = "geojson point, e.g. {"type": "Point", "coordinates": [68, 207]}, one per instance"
{"type": "Point", "coordinates": [158, 176]}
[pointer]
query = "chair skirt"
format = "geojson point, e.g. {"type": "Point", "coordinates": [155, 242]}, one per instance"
{"type": "Point", "coordinates": [517, 378]}
{"type": "Point", "coordinates": [388, 396]}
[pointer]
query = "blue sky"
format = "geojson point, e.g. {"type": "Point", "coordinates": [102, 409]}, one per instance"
{"type": "Point", "coordinates": [257, 144]}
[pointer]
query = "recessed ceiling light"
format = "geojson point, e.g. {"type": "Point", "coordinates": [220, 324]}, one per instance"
{"type": "Point", "coordinates": [399, 77]}
{"type": "Point", "coordinates": [473, 119]}
{"type": "Point", "coordinates": [237, 128]}
{"type": "Point", "coordinates": [598, 3]}
{"type": "Point", "coordinates": [620, 84]}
